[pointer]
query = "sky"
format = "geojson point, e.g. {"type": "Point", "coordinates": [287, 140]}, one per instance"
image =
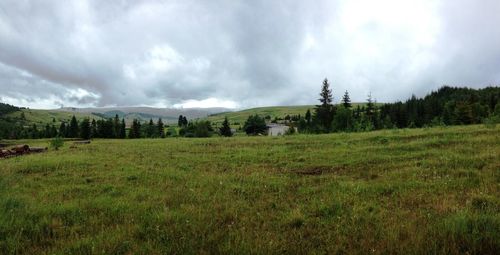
{"type": "Point", "coordinates": [241, 54]}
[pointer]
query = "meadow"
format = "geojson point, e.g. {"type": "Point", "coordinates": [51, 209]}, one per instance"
{"type": "Point", "coordinates": [272, 111]}
{"type": "Point", "coordinates": [410, 191]}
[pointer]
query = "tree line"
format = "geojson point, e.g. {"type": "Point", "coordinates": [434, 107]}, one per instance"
{"type": "Point", "coordinates": [446, 106]}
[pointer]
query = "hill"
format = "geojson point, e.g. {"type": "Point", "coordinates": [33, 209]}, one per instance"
{"type": "Point", "coordinates": [272, 111]}
{"type": "Point", "coordinates": [42, 117]}
{"type": "Point", "coordinates": [239, 117]}
{"type": "Point", "coordinates": [143, 114]}
{"type": "Point", "coordinates": [414, 191]}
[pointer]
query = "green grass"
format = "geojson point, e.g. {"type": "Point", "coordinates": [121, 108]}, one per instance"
{"type": "Point", "coordinates": [43, 117]}
{"type": "Point", "coordinates": [421, 191]}
{"type": "Point", "coordinates": [273, 111]}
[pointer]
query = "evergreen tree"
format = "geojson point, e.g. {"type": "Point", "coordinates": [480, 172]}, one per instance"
{"type": "Point", "coordinates": [85, 129]}
{"type": "Point", "coordinates": [34, 132]}
{"type": "Point", "coordinates": [116, 126]}
{"type": "Point", "coordinates": [255, 125]}
{"type": "Point", "coordinates": [180, 122]}
{"type": "Point", "coordinates": [370, 106]}
{"type": "Point", "coordinates": [62, 130]}
{"type": "Point", "coordinates": [135, 129]}
{"type": "Point", "coordinates": [93, 129]}
{"type": "Point", "coordinates": [346, 100]}
{"type": "Point", "coordinates": [122, 131]}
{"type": "Point", "coordinates": [343, 120]}
{"type": "Point", "coordinates": [105, 128]}
{"type": "Point", "coordinates": [150, 129]}
{"type": "Point", "coordinates": [73, 128]}
{"type": "Point", "coordinates": [46, 131]}
{"type": "Point", "coordinates": [53, 131]}
{"type": "Point", "coordinates": [325, 111]}
{"type": "Point", "coordinates": [184, 121]}
{"type": "Point", "coordinates": [161, 128]}
{"type": "Point", "coordinates": [308, 117]}
{"type": "Point", "coordinates": [225, 130]}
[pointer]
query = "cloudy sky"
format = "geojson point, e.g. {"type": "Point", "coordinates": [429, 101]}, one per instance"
{"type": "Point", "coordinates": [229, 53]}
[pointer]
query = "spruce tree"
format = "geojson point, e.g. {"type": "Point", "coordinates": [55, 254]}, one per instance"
{"type": "Point", "coordinates": [62, 130]}
{"type": "Point", "coordinates": [116, 126]}
{"type": "Point", "coordinates": [370, 106]}
{"type": "Point", "coordinates": [73, 128]}
{"type": "Point", "coordinates": [53, 131]}
{"type": "Point", "coordinates": [93, 129]}
{"type": "Point", "coordinates": [85, 129]}
{"type": "Point", "coordinates": [151, 130]}
{"type": "Point", "coordinates": [161, 128]}
{"type": "Point", "coordinates": [135, 130]}
{"type": "Point", "coordinates": [225, 130]}
{"type": "Point", "coordinates": [346, 100]}
{"type": "Point", "coordinates": [308, 117]}
{"type": "Point", "coordinates": [46, 131]}
{"type": "Point", "coordinates": [180, 122]}
{"type": "Point", "coordinates": [122, 131]}
{"type": "Point", "coordinates": [325, 111]}
{"type": "Point", "coordinates": [255, 125]}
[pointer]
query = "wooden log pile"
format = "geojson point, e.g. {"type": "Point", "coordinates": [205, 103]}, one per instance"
{"type": "Point", "coordinates": [19, 150]}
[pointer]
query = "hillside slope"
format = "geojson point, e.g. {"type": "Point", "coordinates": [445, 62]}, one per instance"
{"type": "Point", "coordinates": [42, 117]}
{"type": "Point", "coordinates": [272, 111]}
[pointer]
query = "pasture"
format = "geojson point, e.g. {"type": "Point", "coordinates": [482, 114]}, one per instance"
{"type": "Point", "coordinates": [393, 191]}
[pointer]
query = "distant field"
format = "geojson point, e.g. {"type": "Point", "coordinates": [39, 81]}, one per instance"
{"type": "Point", "coordinates": [43, 117]}
{"type": "Point", "coordinates": [420, 191]}
{"type": "Point", "coordinates": [273, 111]}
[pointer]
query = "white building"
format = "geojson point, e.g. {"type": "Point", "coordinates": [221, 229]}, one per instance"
{"type": "Point", "coordinates": [276, 129]}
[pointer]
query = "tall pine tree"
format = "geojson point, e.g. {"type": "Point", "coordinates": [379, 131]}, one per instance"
{"type": "Point", "coordinates": [135, 130]}
{"type": "Point", "coordinates": [346, 100]}
{"type": "Point", "coordinates": [161, 128]}
{"type": "Point", "coordinates": [85, 129]}
{"type": "Point", "coordinates": [122, 132]}
{"type": "Point", "coordinates": [73, 128]}
{"type": "Point", "coordinates": [93, 129]}
{"type": "Point", "coordinates": [325, 111]}
{"type": "Point", "coordinates": [116, 126]}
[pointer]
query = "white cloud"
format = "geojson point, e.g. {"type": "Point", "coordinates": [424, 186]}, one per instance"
{"type": "Point", "coordinates": [207, 103]}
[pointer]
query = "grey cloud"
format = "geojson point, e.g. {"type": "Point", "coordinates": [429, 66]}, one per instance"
{"type": "Point", "coordinates": [251, 52]}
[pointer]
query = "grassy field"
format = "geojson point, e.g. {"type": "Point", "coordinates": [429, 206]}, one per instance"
{"type": "Point", "coordinates": [273, 111]}
{"type": "Point", "coordinates": [420, 191]}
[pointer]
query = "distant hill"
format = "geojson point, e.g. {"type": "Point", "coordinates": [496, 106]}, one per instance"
{"type": "Point", "coordinates": [168, 115]}
{"type": "Point", "coordinates": [272, 111]}
{"type": "Point", "coordinates": [42, 117]}
{"type": "Point", "coordinates": [26, 116]}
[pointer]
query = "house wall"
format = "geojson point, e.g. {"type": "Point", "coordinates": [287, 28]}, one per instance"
{"type": "Point", "coordinates": [277, 130]}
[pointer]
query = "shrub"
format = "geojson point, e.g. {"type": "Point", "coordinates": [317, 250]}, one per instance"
{"type": "Point", "coordinates": [56, 143]}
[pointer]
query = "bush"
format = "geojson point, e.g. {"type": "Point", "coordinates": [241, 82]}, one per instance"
{"type": "Point", "coordinates": [491, 122]}
{"type": "Point", "coordinates": [255, 125]}
{"type": "Point", "coordinates": [197, 129]}
{"type": "Point", "coordinates": [56, 143]}
{"type": "Point", "coordinates": [290, 131]}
